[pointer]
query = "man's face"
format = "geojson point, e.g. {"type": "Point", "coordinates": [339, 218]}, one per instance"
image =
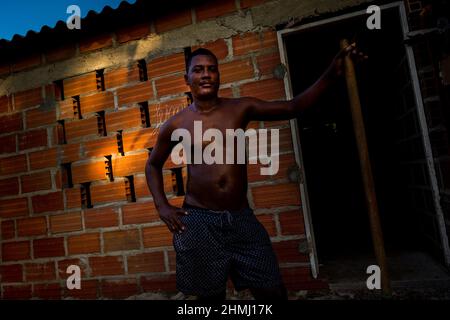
{"type": "Point", "coordinates": [203, 77]}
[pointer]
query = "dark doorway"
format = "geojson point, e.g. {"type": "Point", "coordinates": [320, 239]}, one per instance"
{"type": "Point", "coordinates": [338, 210]}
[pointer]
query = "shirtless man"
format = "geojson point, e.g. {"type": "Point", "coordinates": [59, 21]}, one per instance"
{"type": "Point", "coordinates": [216, 234]}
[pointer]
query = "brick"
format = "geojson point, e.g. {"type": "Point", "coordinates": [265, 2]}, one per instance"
{"type": "Point", "coordinates": [43, 159]}
{"type": "Point", "coordinates": [61, 53]}
{"type": "Point", "coordinates": [171, 85]}
{"type": "Point", "coordinates": [28, 98]}
{"type": "Point", "coordinates": [73, 198]}
{"type": "Point", "coordinates": [7, 229]}
{"type": "Point", "coordinates": [218, 47]}
{"type": "Point", "coordinates": [134, 32]}
{"type": "Point", "coordinates": [28, 62]}
{"type": "Point", "coordinates": [119, 289]}
{"type": "Point", "coordinates": [36, 181]}
{"type": "Point", "coordinates": [11, 273]}
{"type": "Point", "coordinates": [96, 42]}
{"type": "Point", "coordinates": [157, 236]}
{"type": "Point", "coordinates": [96, 102]}
{"type": "Point", "coordinates": [88, 291]}
{"type": "Point", "coordinates": [268, 63]}
{"type": "Point", "coordinates": [129, 164]}
{"type": "Point", "coordinates": [159, 113]}
{"type": "Point", "coordinates": [166, 65]}
{"type": "Point", "coordinates": [285, 140]}
{"type": "Point", "coordinates": [251, 42]}
{"type": "Point", "coordinates": [135, 93]}
{"type": "Point", "coordinates": [286, 165]}
{"type": "Point", "coordinates": [106, 266]}
{"type": "Point", "coordinates": [212, 10]}
{"type": "Point", "coordinates": [140, 212]}
{"type": "Point", "coordinates": [146, 262]}
{"type": "Point", "coordinates": [63, 265]}
{"type": "Point", "coordinates": [65, 222]}
{"type": "Point", "coordinates": [34, 226]}
{"type": "Point", "coordinates": [226, 93]}
{"type": "Point", "coordinates": [123, 120]}
{"type": "Point", "coordinates": [251, 3]}
{"type": "Point", "coordinates": [81, 128]}
{"type": "Point", "coordinates": [141, 188]}
{"type": "Point", "coordinates": [108, 192]}
{"type": "Point", "coordinates": [5, 103]}
{"type": "Point", "coordinates": [48, 247]}
{"type": "Point", "coordinates": [268, 222]}
{"type": "Point", "coordinates": [8, 144]}
{"type": "Point", "coordinates": [47, 291]}
{"type": "Point", "coordinates": [40, 117]}
{"type": "Point", "coordinates": [174, 20]}
{"type": "Point", "coordinates": [292, 223]}
{"type": "Point", "coordinates": [13, 208]}
{"type": "Point", "coordinates": [101, 147]}
{"type": "Point", "coordinates": [17, 292]}
{"type": "Point", "coordinates": [85, 243]}
{"type": "Point", "coordinates": [40, 271]}
{"type": "Point", "coordinates": [140, 139]}
{"type": "Point", "coordinates": [10, 122]}
{"type": "Point", "coordinates": [121, 240]}
{"type": "Point", "coordinates": [236, 70]}
{"type": "Point", "coordinates": [270, 196]}
{"type": "Point", "coordinates": [91, 171]}
{"type": "Point", "coordinates": [121, 76]}
{"type": "Point", "coordinates": [101, 218]}
{"type": "Point", "coordinates": [32, 139]}
{"type": "Point", "coordinates": [288, 251]}
{"type": "Point", "coordinates": [19, 250]}
{"type": "Point", "coordinates": [9, 187]}
{"type": "Point", "coordinates": [48, 202]}
{"type": "Point", "coordinates": [164, 283]}
{"type": "Point", "coordinates": [269, 89]}
{"type": "Point", "coordinates": [70, 152]}
{"type": "Point", "coordinates": [66, 109]}
{"type": "Point", "coordinates": [172, 260]}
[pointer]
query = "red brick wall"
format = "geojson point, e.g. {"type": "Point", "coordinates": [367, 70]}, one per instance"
{"type": "Point", "coordinates": [120, 244]}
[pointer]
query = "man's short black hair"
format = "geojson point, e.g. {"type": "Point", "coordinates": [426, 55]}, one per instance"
{"type": "Point", "coordinates": [199, 52]}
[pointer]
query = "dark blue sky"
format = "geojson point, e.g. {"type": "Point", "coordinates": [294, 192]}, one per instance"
{"type": "Point", "coordinates": [20, 16]}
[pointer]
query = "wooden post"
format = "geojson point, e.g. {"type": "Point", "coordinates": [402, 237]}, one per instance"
{"type": "Point", "coordinates": [366, 171]}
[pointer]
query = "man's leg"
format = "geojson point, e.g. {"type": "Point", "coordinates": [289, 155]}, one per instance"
{"type": "Point", "coordinates": [278, 293]}
{"type": "Point", "coordinates": [219, 297]}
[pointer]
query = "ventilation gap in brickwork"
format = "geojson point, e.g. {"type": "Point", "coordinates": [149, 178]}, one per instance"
{"type": "Point", "coordinates": [61, 132]}
{"type": "Point", "coordinates": [86, 195]}
{"type": "Point", "coordinates": [120, 142]}
{"type": "Point", "coordinates": [76, 107]}
{"type": "Point", "coordinates": [59, 89]}
{"type": "Point", "coordinates": [187, 53]}
{"type": "Point", "coordinates": [100, 79]}
{"type": "Point", "coordinates": [66, 176]}
{"type": "Point", "coordinates": [189, 97]}
{"type": "Point", "coordinates": [101, 125]}
{"type": "Point", "coordinates": [142, 66]}
{"type": "Point", "coordinates": [177, 181]}
{"type": "Point", "coordinates": [109, 168]}
{"type": "Point", "coordinates": [145, 114]}
{"type": "Point", "coordinates": [129, 189]}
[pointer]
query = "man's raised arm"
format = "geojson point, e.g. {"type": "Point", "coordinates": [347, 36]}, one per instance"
{"type": "Point", "coordinates": [283, 110]}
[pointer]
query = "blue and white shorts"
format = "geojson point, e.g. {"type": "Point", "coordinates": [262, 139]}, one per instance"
{"type": "Point", "coordinates": [218, 244]}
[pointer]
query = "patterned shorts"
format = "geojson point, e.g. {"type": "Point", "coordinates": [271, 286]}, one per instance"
{"type": "Point", "coordinates": [218, 244]}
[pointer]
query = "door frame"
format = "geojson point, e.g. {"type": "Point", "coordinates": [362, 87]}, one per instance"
{"type": "Point", "coordinates": [309, 231]}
